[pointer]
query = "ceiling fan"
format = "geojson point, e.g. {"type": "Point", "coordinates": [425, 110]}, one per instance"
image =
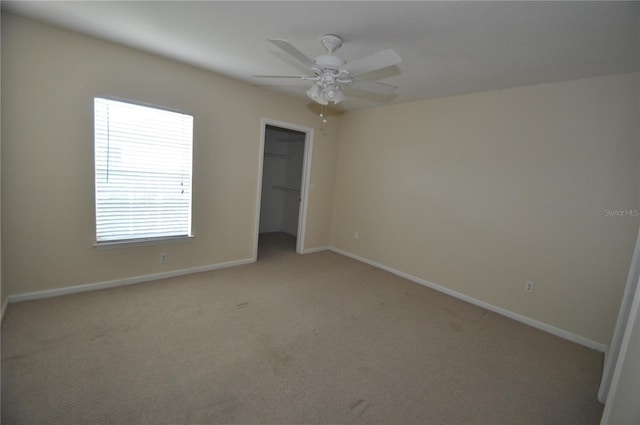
{"type": "Point", "coordinates": [330, 73]}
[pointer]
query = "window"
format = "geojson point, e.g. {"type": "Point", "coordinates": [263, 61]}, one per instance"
{"type": "Point", "coordinates": [143, 159]}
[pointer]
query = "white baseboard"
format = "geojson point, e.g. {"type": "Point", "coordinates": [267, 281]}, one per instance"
{"type": "Point", "coordinates": [146, 278]}
{"type": "Point", "coordinates": [121, 282]}
{"type": "Point", "coordinates": [510, 314]}
{"type": "Point", "coordinates": [316, 249]}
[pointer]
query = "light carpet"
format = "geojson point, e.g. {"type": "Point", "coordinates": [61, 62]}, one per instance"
{"type": "Point", "coordinates": [291, 339]}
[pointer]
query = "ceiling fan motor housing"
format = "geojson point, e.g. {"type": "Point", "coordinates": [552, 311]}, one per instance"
{"type": "Point", "coordinates": [329, 62]}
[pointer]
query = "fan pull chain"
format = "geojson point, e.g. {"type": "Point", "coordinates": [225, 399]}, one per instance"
{"type": "Point", "coordinates": [324, 119]}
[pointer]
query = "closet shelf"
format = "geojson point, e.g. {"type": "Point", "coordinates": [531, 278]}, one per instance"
{"type": "Point", "coordinates": [276, 155]}
{"type": "Point", "coordinates": [286, 189]}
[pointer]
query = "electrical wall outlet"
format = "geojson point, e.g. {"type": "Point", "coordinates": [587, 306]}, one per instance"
{"type": "Point", "coordinates": [356, 235]}
{"type": "Point", "coordinates": [528, 287]}
{"type": "Point", "coordinates": [164, 257]}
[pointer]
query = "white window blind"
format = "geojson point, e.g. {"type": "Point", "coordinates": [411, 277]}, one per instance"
{"type": "Point", "coordinates": [143, 159]}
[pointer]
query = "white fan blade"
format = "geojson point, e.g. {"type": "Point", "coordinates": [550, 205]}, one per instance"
{"type": "Point", "coordinates": [285, 80]}
{"type": "Point", "coordinates": [372, 86]}
{"type": "Point", "coordinates": [302, 77]}
{"type": "Point", "coordinates": [286, 47]}
{"type": "Point", "coordinates": [382, 59]}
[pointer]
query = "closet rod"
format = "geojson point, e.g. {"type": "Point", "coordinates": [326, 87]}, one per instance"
{"type": "Point", "coordinates": [286, 189]}
{"type": "Point", "coordinates": [276, 155]}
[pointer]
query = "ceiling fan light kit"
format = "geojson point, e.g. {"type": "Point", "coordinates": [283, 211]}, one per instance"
{"type": "Point", "coordinates": [330, 73]}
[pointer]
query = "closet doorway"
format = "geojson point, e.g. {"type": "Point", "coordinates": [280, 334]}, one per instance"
{"type": "Point", "coordinates": [284, 175]}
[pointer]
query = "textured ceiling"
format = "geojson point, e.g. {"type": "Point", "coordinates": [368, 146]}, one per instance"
{"type": "Point", "coordinates": [448, 48]}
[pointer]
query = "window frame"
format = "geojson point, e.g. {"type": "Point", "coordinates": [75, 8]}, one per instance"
{"type": "Point", "coordinates": [142, 241]}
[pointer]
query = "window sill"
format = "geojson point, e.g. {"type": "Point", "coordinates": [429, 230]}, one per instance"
{"type": "Point", "coordinates": [101, 246]}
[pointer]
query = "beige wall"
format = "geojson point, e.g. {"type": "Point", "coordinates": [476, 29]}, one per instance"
{"type": "Point", "coordinates": [480, 193]}
{"type": "Point", "coordinates": [49, 79]}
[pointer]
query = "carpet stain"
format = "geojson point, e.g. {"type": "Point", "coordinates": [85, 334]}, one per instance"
{"type": "Point", "coordinates": [282, 361]}
{"type": "Point", "coordinates": [20, 356]}
{"type": "Point", "coordinates": [220, 410]}
{"type": "Point", "coordinates": [226, 405]}
{"type": "Point", "coordinates": [456, 326]}
{"type": "Point", "coordinates": [358, 407]}
{"type": "Point", "coordinates": [451, 312]}
{"type": "Point", "coordinates": [98, 338]}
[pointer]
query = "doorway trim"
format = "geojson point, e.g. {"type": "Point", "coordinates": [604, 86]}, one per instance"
{"type": "Point", "coordinates": [304, 186]}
